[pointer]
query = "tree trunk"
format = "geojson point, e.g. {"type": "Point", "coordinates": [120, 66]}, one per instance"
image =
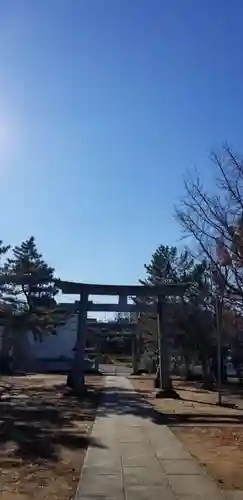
{"type": "Point", "coordinates": [21, 351]}
{"type": "Point", "coordinates": [5, 352]}
{"type": "Point", "coordinates": [187, 362]}
{"type": "Point", "coordinates": [208, 382]}
{"type": "Point", "coordinates": [205, 369]}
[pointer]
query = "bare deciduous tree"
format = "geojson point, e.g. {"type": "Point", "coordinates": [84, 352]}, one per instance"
{"type": "Point", "coordinates": [215, 221]}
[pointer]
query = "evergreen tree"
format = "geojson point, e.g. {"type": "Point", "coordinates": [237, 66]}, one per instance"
{"type": "Point", "coordinates": [166, 267]}
{"type": "Point", "coordinates": [3, 253]}
{"type": "Point", "coordinates": [162, 268]}
{"type": "Point", "coordinates": [33, 304]}
{"type": "Point", "coordinates": [26, 261]}
{"type": "Point", "coordinates": [5, 313]}
{"type": "Point", "coordinates": [189, 320]}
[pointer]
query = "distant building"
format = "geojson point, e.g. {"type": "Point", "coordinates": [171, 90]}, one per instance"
{"type": "Point", "coordinates": [51, 348]}
{"type": "Point", "coordinates": [61, 344]}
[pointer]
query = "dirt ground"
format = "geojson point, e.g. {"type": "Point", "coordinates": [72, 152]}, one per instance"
{"type": "Point", "coordinates": [212, 434]}
{"type": "Point", "coordinates": [44, 434]}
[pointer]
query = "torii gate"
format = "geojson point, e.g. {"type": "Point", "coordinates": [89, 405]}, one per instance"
{"type": "Point", "coordinates": [123, 292]}
{"type": "Point", "coordinates": [112, 328]}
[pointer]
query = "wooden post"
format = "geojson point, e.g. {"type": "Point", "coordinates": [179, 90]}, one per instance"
{"type": "Point", "coordinates": [165, 383]}
{"type": "Point", "coordinates": [78, 368]}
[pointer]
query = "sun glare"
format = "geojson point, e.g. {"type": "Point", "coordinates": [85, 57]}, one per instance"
{"type": "Point", "coordinates": [7, 140]}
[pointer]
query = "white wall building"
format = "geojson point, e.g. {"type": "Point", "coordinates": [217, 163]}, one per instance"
{"type": "Point", "coordinates": [35, 354]}
{"type": "Point", "coordinates": [54, 346]}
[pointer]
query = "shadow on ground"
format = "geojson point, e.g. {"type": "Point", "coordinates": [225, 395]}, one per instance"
{"type": "Point", "coordinates": [124, 402]}
{"type": "Point", "coordinates": [229, 388]}
{"type": "Point", "coordinates": [35, 422]}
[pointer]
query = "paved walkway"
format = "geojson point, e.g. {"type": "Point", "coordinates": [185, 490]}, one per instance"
{"type": "Point", "coordinates": [134, 458]}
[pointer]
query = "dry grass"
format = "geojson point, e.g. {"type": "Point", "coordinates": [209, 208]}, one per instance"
{"type": "Point", "coordinates": [212, 434]}
{"type": "Point", "coordinates": [44, 434]}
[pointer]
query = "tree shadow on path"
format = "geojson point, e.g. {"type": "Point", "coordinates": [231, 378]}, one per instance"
{"type": "Point", "coordinates": [36, 422]}
{"type": "Point", "coordinates": [128, 402]}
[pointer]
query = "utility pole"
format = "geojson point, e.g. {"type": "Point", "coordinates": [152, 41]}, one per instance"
{"type": "Point", "coordinates": [219, 347]}
{"type": "Point", "coordinates": [219, 300]}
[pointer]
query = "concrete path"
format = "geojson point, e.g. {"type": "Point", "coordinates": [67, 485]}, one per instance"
{"type": "Point", "coordinates": [135, 458]}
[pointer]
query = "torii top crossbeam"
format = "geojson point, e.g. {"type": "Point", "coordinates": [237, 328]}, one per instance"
{"type": "Point", "coordinates": [73, 288]}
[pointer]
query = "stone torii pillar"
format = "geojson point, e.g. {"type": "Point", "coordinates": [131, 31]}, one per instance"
{"type": "Point", "coordinates": [134, 353]}
{"type": "Point", "coordinates": [78, 363]}
{"type": "Point", "coordinates": [164, 358]}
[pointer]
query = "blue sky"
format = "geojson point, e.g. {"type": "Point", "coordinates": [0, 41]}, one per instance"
{"type": "Point", "coordinates": [104, 104]}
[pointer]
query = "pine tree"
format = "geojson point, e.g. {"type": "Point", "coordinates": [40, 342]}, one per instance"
{"type": "Point", "coordinates": [186, 317]}
{"type": "Point", "coordinates": [5, 314]}
{"type": "Point", "coordinates": [33, 304]}
{"type": "Point", "coordinates": [189, 321]}
{"type": "Point", "coordinates": [3, 253]}
{"type": "Point", "coordinates": [162, 267]}
{"type": "Point", "coordinates": [166, 267]}
{"type": "Point", "coordinates": [40, 292]}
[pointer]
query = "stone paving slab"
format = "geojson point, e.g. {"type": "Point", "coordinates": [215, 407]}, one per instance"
{"type": "Point", "coordinates": [234, 495]}
{"type": "Point", "coordinates": [102, 484]}
{"type": "Point", "coordinates": [181, 467]}
{"type": "Point", "coordinates": [149, 493]}
{"type": "Point", "coordinates": [143, 476]}
{"type": "Point", "coordinates": [199, 485]}
{"type": "Point", "coordinates": [137, 459]}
